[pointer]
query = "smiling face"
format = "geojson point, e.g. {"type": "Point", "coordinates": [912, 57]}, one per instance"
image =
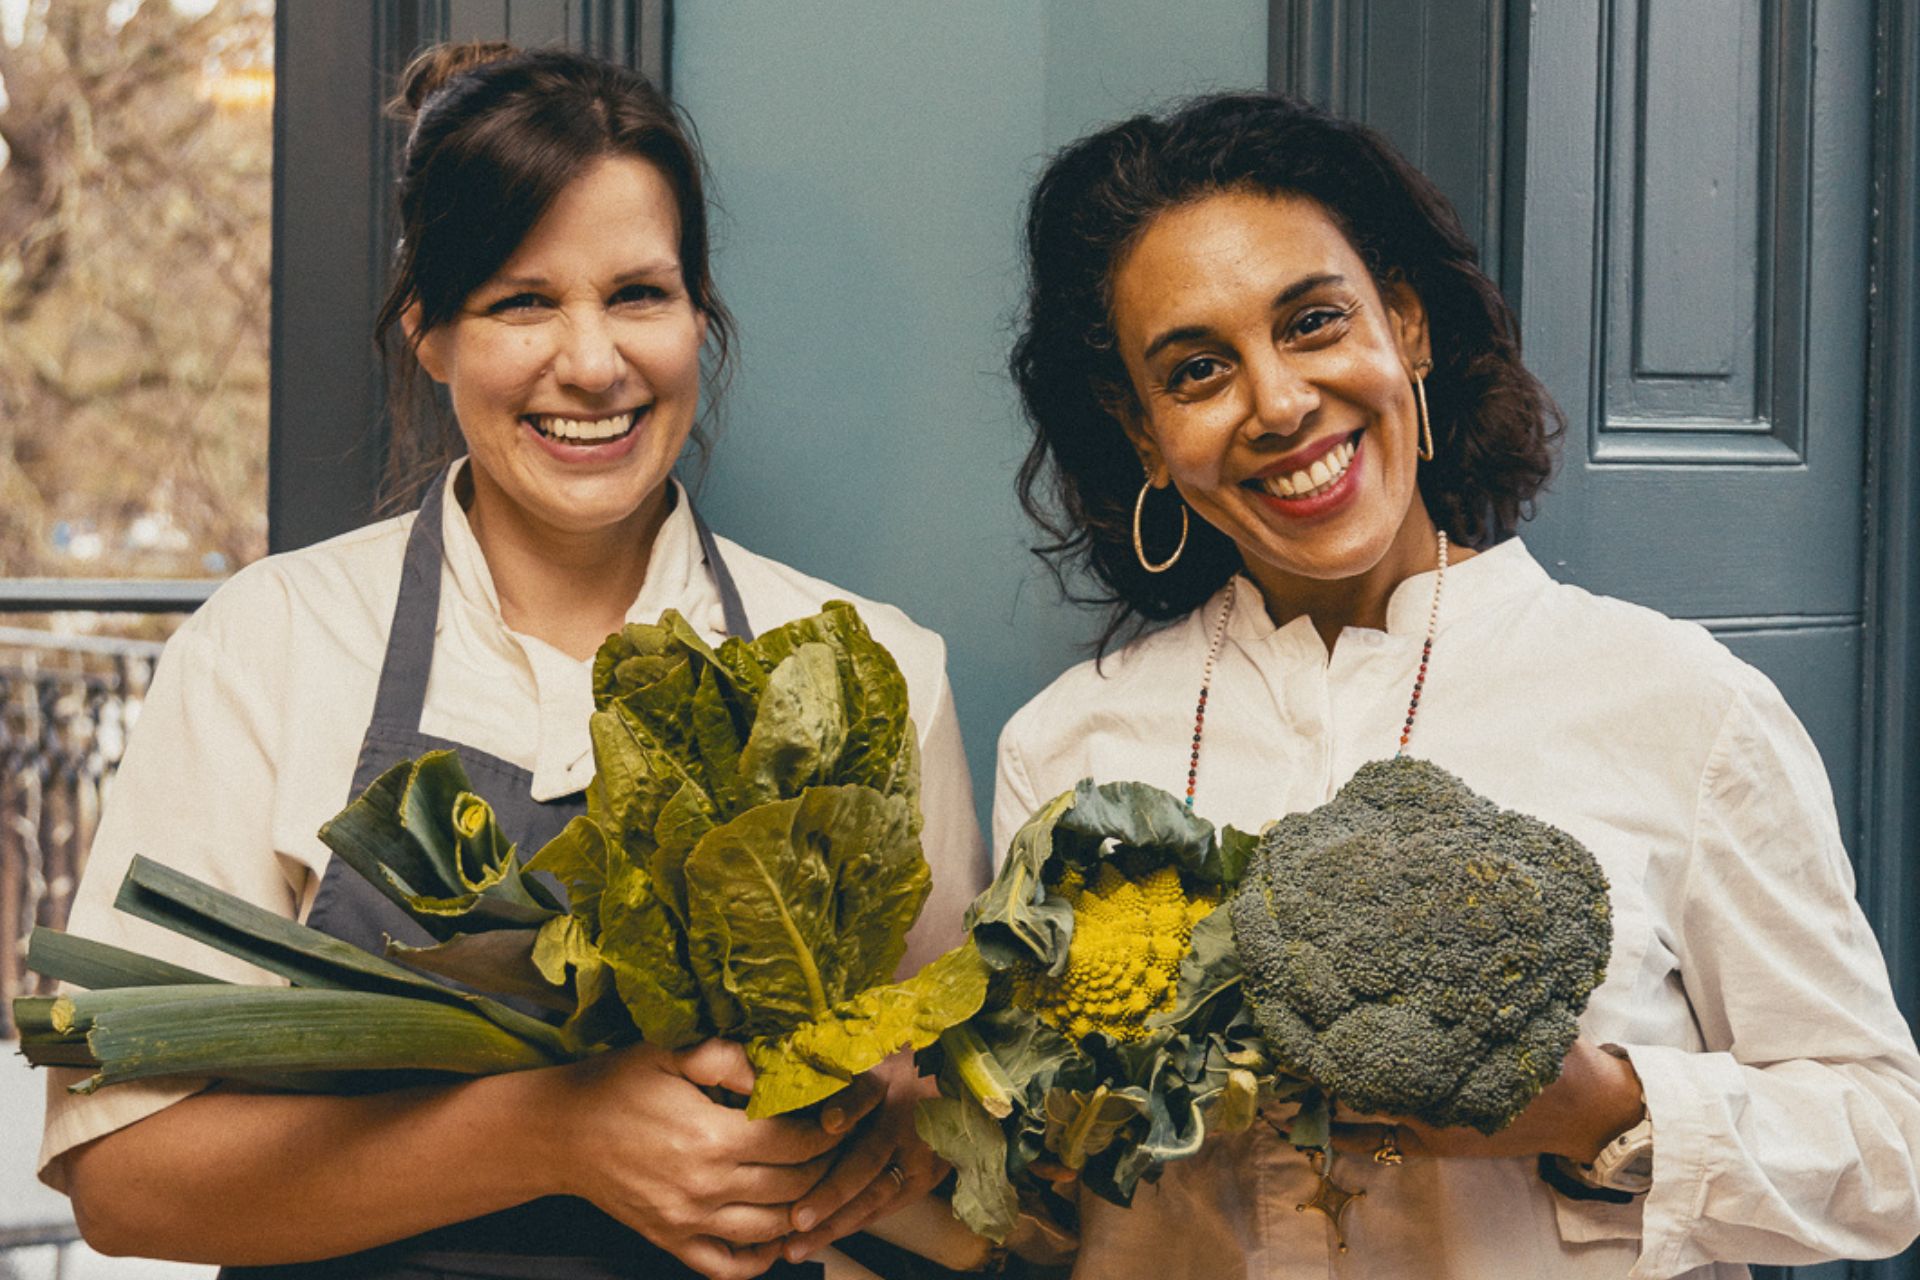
{"type": "Point", "coordinates": [1274, 386]}
{"type": "Point", "coordinates": [575, 370]}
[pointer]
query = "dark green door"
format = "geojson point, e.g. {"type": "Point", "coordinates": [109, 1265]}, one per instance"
{"type": "Point", "coordinates": [1693, 285]}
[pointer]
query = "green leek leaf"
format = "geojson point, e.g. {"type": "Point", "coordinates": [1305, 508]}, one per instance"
{"type": "Point", "coordinates": [96, 966]}
{"type": "Point", "coordinates": [303, 956]}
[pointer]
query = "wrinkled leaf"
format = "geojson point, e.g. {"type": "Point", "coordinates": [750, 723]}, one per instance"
{"type": "Point", "coordinates": [421, 837]}
{"type": "Point", "coordinates": [1017, 918]}
{"type": "Point", "coordinates": [970, 1140]}
{"type": "Point", "coordinates": [577, 858]}
{"type": "Point", "coordinates": [818, 1058]}
{"type": "Point", "coordinates": [795, 904]}
{"type": "Point", "coordinates": [1137, 816]}
{"type": "Point", "coordinates": [799, 728]}
{"type": "Point", "coordinates": [499, 962]}
{"type": "Point", "coordinates": [640, 945]}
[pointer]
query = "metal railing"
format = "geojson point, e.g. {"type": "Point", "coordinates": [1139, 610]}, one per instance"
{"type": "Point", "coordinates": [66, 705]}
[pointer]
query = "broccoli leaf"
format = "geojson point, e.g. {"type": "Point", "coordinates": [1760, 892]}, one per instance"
{"type": "Point", "coordinates": [970, 1140]}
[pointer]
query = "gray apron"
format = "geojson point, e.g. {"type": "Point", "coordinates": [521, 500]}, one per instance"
{"type": "Point", "coordinates": [559, 1237]}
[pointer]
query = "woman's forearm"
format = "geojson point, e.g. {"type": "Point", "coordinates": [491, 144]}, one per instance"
{"type": "Point", "coordinates": [248, 1179]}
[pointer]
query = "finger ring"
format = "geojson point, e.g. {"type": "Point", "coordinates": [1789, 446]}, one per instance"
{"type": "Point", "coordinates": [898, 1175]}
{"type": "Point", "coordinates": [1388, 1152]}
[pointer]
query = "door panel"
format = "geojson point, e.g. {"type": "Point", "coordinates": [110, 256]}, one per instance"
{"type": "Point", "coordinates": [1693, 292]}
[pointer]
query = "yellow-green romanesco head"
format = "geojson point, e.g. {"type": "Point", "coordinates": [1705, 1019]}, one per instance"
{"type": "Point", "coordinates": [1129, 935]}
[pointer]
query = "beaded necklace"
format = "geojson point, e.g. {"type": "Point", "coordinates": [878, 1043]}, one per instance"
{"type": "Point", "coordinates": [1220, 633]}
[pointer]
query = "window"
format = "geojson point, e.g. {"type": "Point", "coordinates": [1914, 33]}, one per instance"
{"type": "Point", "coordinates": [136, 187]}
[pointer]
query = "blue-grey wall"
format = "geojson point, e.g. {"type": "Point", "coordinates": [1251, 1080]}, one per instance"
{"type": "Point", "coordinates": [871, 159]}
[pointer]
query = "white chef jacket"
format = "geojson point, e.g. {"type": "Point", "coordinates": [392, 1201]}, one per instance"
{"type": "Point", "coordinates": [1745, 985]}
{"type": "Point", "coordinates": [253, 724]}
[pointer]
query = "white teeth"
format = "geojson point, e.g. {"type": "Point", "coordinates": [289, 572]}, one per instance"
{"type": "Point", "coordinates": [580, 429]}
{"type": "Point", "coordinates": [1327, 468]}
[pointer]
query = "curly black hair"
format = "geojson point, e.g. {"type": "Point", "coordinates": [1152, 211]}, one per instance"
{"type": "Point", "coordinates": [1493, 423]}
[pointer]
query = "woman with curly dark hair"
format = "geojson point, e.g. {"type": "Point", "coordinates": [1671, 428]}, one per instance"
{"type": "Point", "coordinates": [1279, 409]}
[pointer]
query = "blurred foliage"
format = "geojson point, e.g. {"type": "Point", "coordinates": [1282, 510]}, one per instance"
{"type": "Point", "coordinates": [134, 256]}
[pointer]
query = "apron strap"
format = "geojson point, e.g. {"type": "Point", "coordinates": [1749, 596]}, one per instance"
{"type": "Point", "coordinates": [416, 613]}
{"type": "Point", "coordinates": [732, 609]}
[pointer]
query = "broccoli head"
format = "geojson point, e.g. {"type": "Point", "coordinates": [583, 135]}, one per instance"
{"type": "Point", "coordinates": [1416, 950]}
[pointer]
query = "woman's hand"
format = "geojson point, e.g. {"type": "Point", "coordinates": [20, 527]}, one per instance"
{"type": "Point", "coordinates": [863, 1184]}
{"type": "Point", "coordinates": [1596, 1098]}
{"type": "Point", "coordinates": [643, 1141]}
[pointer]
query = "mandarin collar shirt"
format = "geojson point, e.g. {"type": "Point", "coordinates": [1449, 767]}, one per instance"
{"type": "Point", "coordinates": [1744, 983]}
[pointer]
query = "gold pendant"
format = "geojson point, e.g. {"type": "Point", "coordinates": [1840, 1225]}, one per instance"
{"type": "Point", "coordinates": [1329, 1197]}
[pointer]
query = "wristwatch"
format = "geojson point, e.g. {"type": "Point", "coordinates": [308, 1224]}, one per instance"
{"type": "Point", "coordinates": [1626, 1163]}
{"type": "Point", "coordinates": [1622, 1170]}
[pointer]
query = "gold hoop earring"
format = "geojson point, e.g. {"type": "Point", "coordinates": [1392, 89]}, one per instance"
{"type": "Point", "coordinates": [1140, 547]}
{"type": "Point", "coordinates": [1420, 399]}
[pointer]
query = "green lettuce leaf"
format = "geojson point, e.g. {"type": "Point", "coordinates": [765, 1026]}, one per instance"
{"type": "Point", "coordinates": [796, 904]}
{"type": "Point", "coordinates": [799, 730]}
{"type": "Point", "coordinates": [639, 943]}
{"type": "Point", "coordinates": [818, 1058]}
{"type": "Point", "coordinates": [578, 859]}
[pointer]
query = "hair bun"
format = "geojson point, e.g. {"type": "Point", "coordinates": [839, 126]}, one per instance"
{"type": "Point", "coordinates": [433, 66]}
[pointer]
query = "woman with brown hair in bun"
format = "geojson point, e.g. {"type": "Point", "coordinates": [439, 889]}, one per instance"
{"type": "Point", "coordinates": [1280, 412]}
{"type": "Point", "coordinates": [553, 279]}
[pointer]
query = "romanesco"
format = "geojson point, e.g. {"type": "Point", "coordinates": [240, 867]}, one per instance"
{"type": "Point", "coordinates": [1124, 958]}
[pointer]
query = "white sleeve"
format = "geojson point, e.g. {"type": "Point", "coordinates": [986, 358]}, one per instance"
{"type": "Point", "coordinates": [1014, 800]}
{"type": "Point", "coordinates": [1793, 1138]}
{"type": "Point", "coordinates": [951, 836]}
{"type": "Point", "coordinates": [194, 791]}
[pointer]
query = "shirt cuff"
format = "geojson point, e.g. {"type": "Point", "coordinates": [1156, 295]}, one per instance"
{"type": "Point", "coordinates": [1684, 1092]}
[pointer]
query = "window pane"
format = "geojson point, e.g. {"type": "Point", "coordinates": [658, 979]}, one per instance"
{"type": "Point", "coordinates": [135, 191]}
